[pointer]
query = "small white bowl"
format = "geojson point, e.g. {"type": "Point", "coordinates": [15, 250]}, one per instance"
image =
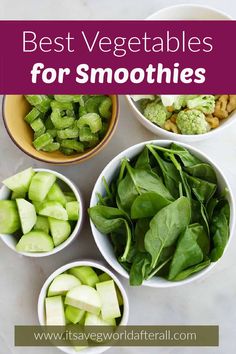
{"type": "Point", "coordinates": [183, 12]}
{"type": "Point", "coordinates": [94, 264]}
{"type": "Point", "coordinates": [111, 170]}
{"type": "Point", "coordinates": [11, 241]}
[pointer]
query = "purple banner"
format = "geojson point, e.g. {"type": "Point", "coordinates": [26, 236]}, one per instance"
{"type": "Point", "coordinates": [123, 57]}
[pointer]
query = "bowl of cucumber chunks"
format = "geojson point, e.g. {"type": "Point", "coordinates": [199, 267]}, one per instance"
{"type": "Point", "coordinates": [83, 293]}
{"type": "Point", "coordinates": [60, 129]}
{"type": "Point", "coordinates": [40, 212]}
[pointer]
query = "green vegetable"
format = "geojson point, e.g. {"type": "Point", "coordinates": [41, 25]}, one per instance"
{"type": "Point", "coordinates": [166, 226]}
{"type": "Point", "coordinates": [68, 123]}
{"type": "Point", "coordinates": [203, 103]}
{"type": "Point", "coordinates": [35, 241]}
{"type": "Point", "coordinates": [9, 217]}
{"type": "Point", "coordinates": [156, 113]}
{"type": "Point", "coordinates": [163, 214]}
{"type": "Point", "coordinates": [192, 122]}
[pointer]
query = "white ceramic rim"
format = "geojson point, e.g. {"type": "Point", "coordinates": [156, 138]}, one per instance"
{"type": "Point", "coordinates": [185, 5]}
{"type": "Point", "coordinates": [77, 227]}
{"type": "Point", "coordinates": [90, 263]}
{"type": "Point", "coordinates": [111, 260]}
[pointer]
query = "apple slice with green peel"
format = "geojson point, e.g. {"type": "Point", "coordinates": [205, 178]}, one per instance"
{"type": "Point", "coordinates": [62, 283]}
{"type": "Point", "coordinates": [54, 210]}
{"type": "Point", "coordinates": [96, 320]}
{"type": "Point", "coordinates": [73, 314]}
{"type": "Point", "coordinates": [85, 274]}
{"type": "Point", "coordinates": [55, 194]}
{"type": "Point", "coordinates": [54, 311]}
{"type": "Point", "coordinates": [110, 306]}
{"type": "Point", "coordinates": [20, 182]}
{"type": "Point", "coordinates": [72, 209]}
{"type": "Point", "coordinates": [104, 277]}
{"type": "Point", "coordinates": [35, 241]}
{"type": "Point", "coordinates": [27, 215]}
{"type": "Point", "coordinates": [9, 217]}
{"type": "Point", "coordinates": [85, 298]}
{"type": "Point", "coordinates": [42, 224]}
{"type": "Point", "coordinates": [40, 185]}
{"type": "Point", "coordinates": [60, 230]}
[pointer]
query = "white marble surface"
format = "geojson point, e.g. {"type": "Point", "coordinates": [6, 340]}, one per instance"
{"type": "Point", "coordinates": [207, 301]}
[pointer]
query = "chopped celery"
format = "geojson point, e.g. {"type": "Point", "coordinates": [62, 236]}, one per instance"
{"type": "Point", "coordinates": [32, 115]}
{"type": "Point", "coordinates": [37, 125]}
{"type": "Point", "coordinates": [72, 144]}
{"type": "Point", "coordinates": [105, 107]}
{"type": "Point", "coordinates": [86, 134]}
{"type": "Point", "coordinates": [39, 133]}
{"type": "Point", "coordinates": [69, 133]}
{"type": "Point", "coordinates": [93, 120]}
{"type": "Point", "coordinates": [92, 104]}
{"type": "Point", "coordinates": [61, 122]}
{"type": "Point", "coordinates": [52, 132]}
{"type": "Point", "coordinates": [82, 111]}
{"type": "Point", "coordinates": [42, 141]}
{"type": "Point", "coordinates": [67, 151]}
{"type": "Point", "coordinates": [68, 98]}
{"type": "Point", "coordinates": [51, 147]}
{"type": "Point", "coordinates": [61, 106]}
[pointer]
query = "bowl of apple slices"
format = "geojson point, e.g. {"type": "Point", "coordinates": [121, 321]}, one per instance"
{"type": "Point", "coordinates": [85, 297]}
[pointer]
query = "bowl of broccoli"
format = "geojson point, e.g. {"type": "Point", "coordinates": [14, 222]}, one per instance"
{"type": "Point", "coordinates": [184, 117]}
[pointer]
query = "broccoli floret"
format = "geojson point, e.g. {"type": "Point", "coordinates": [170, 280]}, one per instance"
{"type": "Point", "coordinates": [204, 103]}
{"type": "Point", "coordinates": [156, 113]}
{"type": "Point", "coordinates": [192, 121]}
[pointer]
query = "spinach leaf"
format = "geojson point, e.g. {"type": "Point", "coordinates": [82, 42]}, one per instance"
{"type": "Point", "coordinates": [190, 250]}
{"type": "Point", "coordinates": [126, 193]}
{"type": "Point", "coordinates": [170, 174]}
{"type": "Point", "coordinates": [166, 226]}
{"type": "Point", "coordinates": [147, 205]}
{"type": "Point", "coordinates": [185, 156]}
{"type": "Point", "coordinates": [145, 180]}
{"type": "Point", "coordinates": [203, 171]}
{"type": "Point", "coordinates": [143, 160]}
{"type": "Point", "coordinates": [203, 190]}
{"type": "Point", "coordinates": [141, 227]}
{"type": "Point", "coordinates": [220, 230]}
{"type": "Point", "coordinates": [139, 268]}
{"type": "Point", "coordinates": [192, 270]}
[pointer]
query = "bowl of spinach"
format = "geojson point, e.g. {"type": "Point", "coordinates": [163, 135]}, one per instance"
{"type": "Point", "coordinates": [162, 213]}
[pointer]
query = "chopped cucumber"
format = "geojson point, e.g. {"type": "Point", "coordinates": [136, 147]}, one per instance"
{"type": "Point", "coordinates": [9, 217]}
{"type": "Point", "coordinates": [110, 306]}
{"type": "Point", "coordinates": [60, 230]}
{"type": "Point", "coordinates": [54, 311]}
{"type": "Point", "coordinates": [54, 210]}
{"type": "Point", "coordinates": [18, 194]}
{"type": "Point", "coordinates": [95, 320]}
{"type": "Point", "coordinates": [40, 185]}
{"type": "Point", "coordinates": [27, 215]}
{"type": "Point", "coordinates": [70, 197]}
{"type": "Point", "coordinates": [42, 224]}
{"type": "Point", "coordinates": [56, 194]}
{"type": "Point", "coordinates": [62, 283]}
{"type": "Point", "coordinates": [104, 277]}
{"type": "Point", "coordinates": [85, 298]}
{"type": "Point", "coordinates": [72, 209]}
{"type": "Point", "coordinates": [37, 205]}
{"type": "Point", "coordinates": [85, 274]}
{"type": "Point", "coordinates": [73, 314]}
{"type": "Point", "coordinates": [20, 182]}
{"type": "Point", "coordinates": [35, 241]}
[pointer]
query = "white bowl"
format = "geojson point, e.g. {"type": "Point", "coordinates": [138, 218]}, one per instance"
{"type": "Point", "coordinates": [183, 12]}
{"type": "Point", "coordinates": [111, 170]}
{"type": "Point", "coordinates": [95, 264]}
{"type": "Point", "coordinates": [11, 241]}
{"type": "Point", "coordinates": [189, 12]}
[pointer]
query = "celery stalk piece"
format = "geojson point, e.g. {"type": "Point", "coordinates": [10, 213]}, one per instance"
{"type": "Point", "coordinates": [72, 144]}
{"type": "Point", "coordinates": [60, 122]}
{"type": "Point", "coordinates": [42, 141]}
{"type": "Point", "coordinates": [32, 115]}
{"type": "Point", "coordinates": [93, 120]}
{"type": "Point", "coordinates": [51, 147]}
{"type": "Point", "coordinates": [105, 108]}
{"type": "Point", "coordinates": [69, 133]}
{"type": "Point", "coordinates": [37, 125]}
